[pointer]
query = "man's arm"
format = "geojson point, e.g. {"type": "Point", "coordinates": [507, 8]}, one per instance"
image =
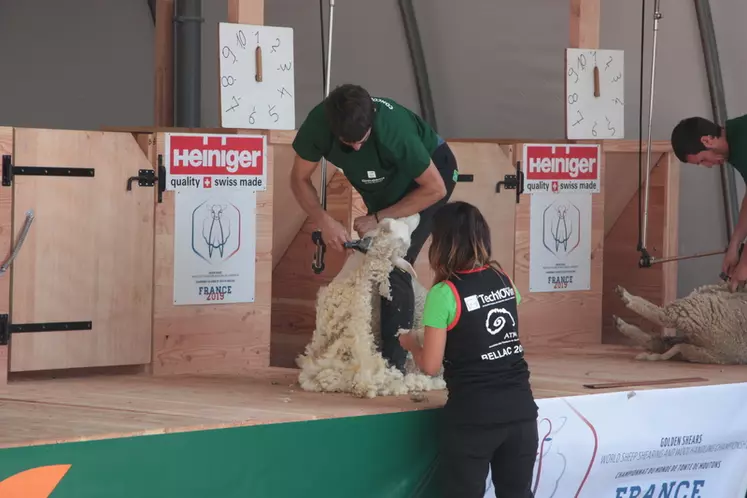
{"type": "Point", "coordinates": [303, 189]}
{"type": "Point", "coordinates": [430, 189]}
{"type": "Point", "coordinates": [740, 230]}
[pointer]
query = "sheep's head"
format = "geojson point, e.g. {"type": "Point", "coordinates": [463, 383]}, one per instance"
{"type": "Point", "coordinates": [391, 239]}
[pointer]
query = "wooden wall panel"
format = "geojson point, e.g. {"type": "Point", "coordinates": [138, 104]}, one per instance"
{"type": "Point", "coordinates": [225, 338]}
{"type": "Point", "coordinates": [6, 239]}
{"type": "Point", "coordinates": [659, 282]}
{"type": "Point", "coordinates": [295, 285]}
{"type": "Point", "coordinates": [557, 318]}
{"type": "Point", "coordinates": [288, 215]}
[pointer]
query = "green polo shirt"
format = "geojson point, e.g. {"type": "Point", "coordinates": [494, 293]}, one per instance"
{"type": "Point", "coordinates": [383, 171]}
{"type": "Point", "coordinates": [736, 137]}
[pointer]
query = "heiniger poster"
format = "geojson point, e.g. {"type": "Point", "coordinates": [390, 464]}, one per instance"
{"type": "Point", "coordinates": [214, 246]}
{"type": "Point", "coordinates": [560, 242]}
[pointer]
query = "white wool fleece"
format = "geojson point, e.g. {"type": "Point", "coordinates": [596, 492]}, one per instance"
{"type": "Point", "coordinates": [343, 355]}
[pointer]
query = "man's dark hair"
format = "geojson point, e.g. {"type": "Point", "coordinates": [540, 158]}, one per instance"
{"type": "Point", "coordinates": [687, 134]}
{"type": "Point", "coordinates": [350, 112]}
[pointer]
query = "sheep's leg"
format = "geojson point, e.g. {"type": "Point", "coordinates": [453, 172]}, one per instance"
{"type": "Point", "coordinates": [696, 354]}
{"type": "Point", "coordinates": [647, 310]}
{"type": "Point", "coordinates": [638, 336]}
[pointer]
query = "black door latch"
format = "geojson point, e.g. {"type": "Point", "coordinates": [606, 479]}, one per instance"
{"type": "Point", "coordinates": [513, 182]}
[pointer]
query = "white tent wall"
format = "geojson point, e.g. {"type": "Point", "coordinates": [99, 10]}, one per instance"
{"type": "Point", "coordinates": [496, 70]}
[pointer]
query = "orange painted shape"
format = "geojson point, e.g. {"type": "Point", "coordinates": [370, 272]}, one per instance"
{"type": "Point", "coordinates": [33, 483]}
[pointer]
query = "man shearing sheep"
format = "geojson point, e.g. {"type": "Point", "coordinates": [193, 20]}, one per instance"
{"type": "Point", "coordinates": [398, 164]}
{"type": "Point", "coordinates": [700, 141]}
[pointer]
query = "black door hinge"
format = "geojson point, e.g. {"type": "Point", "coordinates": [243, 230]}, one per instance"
{"type": "Point", "coordinates": [513, 182]}
{"type": "Point", "coordinates": [7, 328]}
{"type": "Point", "coordinates": [148, 178]}
{"type": "Point", "coordinates": [10, 171]}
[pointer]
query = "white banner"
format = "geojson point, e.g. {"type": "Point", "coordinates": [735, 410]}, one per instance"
{"type": "Point", "coordinates": [560, 242]}
{"type": "Point", "coordinates": [663, 443]}
{"type": "Point", "coordinates": [214, 246]}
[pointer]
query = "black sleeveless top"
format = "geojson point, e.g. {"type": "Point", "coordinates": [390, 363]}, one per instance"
{"type": "Point", "coordinates": [484, 367]}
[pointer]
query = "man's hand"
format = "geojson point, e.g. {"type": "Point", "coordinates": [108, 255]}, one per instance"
{"type": "Point", "coordinates": [334, 233]}
{"type": "Point", "coordinates": [731, 260]}
{"type": "Point", "coordinates": [364, 224]}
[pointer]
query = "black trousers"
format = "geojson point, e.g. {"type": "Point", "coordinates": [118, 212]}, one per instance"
{"type": "Point", "coordinates": [399, 312]}
{"type": "Point", "coordinates": [508, 450]}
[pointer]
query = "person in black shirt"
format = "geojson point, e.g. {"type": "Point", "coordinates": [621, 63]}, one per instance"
{"type": "Point", "coordinates": [472, 329]}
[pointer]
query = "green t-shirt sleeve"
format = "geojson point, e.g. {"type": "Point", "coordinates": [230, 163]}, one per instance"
{"type": "Point", "coordinates": [440, 306]}
{"type": "Point", "coordinates": [313, 138]}
{"type": "Point", "coordinates": [516, 291]}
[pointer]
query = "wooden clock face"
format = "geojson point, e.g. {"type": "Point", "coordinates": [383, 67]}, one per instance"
{"type": "Point", "coordinates": [257, 75]}
{"type": "Point", "coordinates": [594, 94]}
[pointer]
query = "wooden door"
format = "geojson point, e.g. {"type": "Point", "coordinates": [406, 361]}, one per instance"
{"type": "Point", "coordinates": [488, 163]}
{"type": "Point", "coordinates": [88, 255]}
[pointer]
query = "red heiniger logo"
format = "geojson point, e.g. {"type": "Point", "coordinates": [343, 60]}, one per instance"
{"type": "Point", "coordinates": [216, 155]}
{"type": "Point", "coordinates": [562, 162]}
{"type": "Point", "coordinates": [561, 168]}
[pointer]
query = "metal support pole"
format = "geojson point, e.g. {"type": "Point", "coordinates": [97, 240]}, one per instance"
{"type": "Point", "coordinates": [187, 64]}
{"type": "Point", "coordinates": [718, 104]}
{"type": "Point", "coordinates": [415, 45]}
{"type": "Point", "coordinates": [657, 17]}
{"type": "Point", "coordinates": [318, 264]}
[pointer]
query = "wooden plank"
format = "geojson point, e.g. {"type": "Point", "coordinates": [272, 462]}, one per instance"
{"type": "Point", "coordinates": [6, 239]}
{"type": "Point", "coordinates": [289, 217]}
{"type": "Point", "coordinates": [87, 408]}
{"type": "Point", "coordinates": [576, 316]}
{"type": "Point", "coordinates": [164, 59]}
{"type": "Point", "coordinates": [622, 181]}
{"type": "Point", "coordinates": [658, 382]}
{"type": "Point", "coordinates": [246, 11]}
{"type": "Point", "coordinates": [621, 256]}
{"type": "Point", "coordinates": [88, 255]}
{"type": "Point", "coordinates": [295, 285]}
{"type": "Point", "coordinates": [670, 232]}
{"type": "Point", "coordinates": [224, 338]}
{"type": "Point", "coordinates": [584, 25]}
{"type": "Point", "coordinates": [489, 164]}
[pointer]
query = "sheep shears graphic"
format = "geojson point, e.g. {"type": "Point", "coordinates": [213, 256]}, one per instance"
{"type": "Point", "coordinates": [216, 231]}
{"type": "Point", "coordinates": [561, 224]}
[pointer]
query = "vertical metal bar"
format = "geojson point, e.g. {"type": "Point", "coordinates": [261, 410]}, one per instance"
{"type": "Point", "coordinates": [415, 45]}
{"type": "Point", "coordinates": [188, 56]}
{"type": "Point", "coordinates": [657, 17]}
{"type": "Point", "coordinates": [718, 105]}
{"type": "Point", "coordinates": [317, 264]}
{"type": "Point", "coordinates": [323, 186]}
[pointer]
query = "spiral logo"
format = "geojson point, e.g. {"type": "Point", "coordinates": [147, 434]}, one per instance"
{"type": "Point", "coordinates": [495, 324]}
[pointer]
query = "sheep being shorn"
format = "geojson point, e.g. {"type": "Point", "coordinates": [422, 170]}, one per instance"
{"type": "Point", "coordinates": [710, 322]}
{"type": "Point", "coordinates": [343, 355]}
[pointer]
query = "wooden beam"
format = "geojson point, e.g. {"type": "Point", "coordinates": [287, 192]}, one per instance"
{"type": "Point", "coordinates": [246, 11]}
{"type": "Point", "coordinates": [6, 245]}
{"type": "Point", "coordinates": [585, 20]}
{"type": "Point", "coordinates": [164, 56]}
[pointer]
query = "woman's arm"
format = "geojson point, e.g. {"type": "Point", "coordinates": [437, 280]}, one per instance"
{"type": "Point", "coordinates": [429, 357]}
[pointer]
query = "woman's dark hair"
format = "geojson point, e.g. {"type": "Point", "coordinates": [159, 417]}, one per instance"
{"type": "Point", "coordinates": [350, 112]}
{"type": "Point", "coordinates": [460, 240]}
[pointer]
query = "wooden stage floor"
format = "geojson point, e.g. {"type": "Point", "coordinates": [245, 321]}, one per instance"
{"type": "Point", "coordinates": [105, 406]}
